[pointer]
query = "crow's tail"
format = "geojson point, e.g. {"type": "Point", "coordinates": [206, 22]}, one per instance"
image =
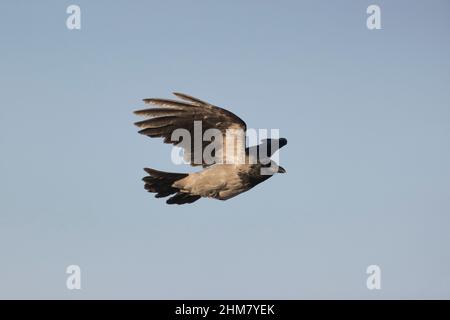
{"type": "Point", "coordinates": [161, 183]}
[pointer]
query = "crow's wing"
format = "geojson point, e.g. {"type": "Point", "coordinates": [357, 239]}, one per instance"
{"type": "Point", "coordinates": [169, 115]}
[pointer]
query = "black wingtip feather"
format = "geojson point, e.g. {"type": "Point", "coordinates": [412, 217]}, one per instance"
{"type": "Point", "coordinates": [187, 97]}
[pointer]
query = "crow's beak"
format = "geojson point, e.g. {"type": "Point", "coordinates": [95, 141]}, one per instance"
{"type": "Point", "coordinates": [281, 169]}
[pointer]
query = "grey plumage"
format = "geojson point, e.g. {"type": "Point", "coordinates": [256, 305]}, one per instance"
{"type": "Point", "coordinates": [217, 180]}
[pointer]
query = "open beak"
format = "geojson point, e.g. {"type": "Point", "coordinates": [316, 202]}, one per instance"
{"type": "Point", "coordinates": [281, 169]}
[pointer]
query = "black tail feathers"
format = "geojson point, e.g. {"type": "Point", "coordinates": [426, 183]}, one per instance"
{"type": "Point", "coordinates": [160, 182]}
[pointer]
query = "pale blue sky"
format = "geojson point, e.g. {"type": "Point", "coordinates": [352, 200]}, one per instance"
{"type": "Point", "coordinates": [366, 114]}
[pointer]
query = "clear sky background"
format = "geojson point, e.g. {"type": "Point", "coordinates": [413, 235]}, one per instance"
{"type": "Point", "coordinates": [366, 114]}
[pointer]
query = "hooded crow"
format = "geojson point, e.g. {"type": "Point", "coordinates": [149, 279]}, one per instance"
{"type": "Point", "coordinates": [231, 169]}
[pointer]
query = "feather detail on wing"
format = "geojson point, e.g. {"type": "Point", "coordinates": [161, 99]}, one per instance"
{"type": "Point", "coordinates": [194, 117]}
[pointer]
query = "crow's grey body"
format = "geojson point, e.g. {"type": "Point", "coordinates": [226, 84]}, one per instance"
{"type": "Point", "coordinates": [221, 181]}
{"type": "Point", "coordinates": [218, 180]}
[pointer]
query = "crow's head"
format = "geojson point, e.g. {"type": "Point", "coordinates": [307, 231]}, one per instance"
{"type": "Point", "coordinates": [281, 170]}
{"type": "Point", "coordinates": [271, 145]}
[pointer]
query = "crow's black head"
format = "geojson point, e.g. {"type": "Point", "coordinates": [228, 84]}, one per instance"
{"type": "Point", "coordinates": [271, 145]}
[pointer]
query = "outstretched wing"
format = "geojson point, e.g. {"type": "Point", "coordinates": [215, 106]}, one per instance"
{"type": "Point", "coordinates": [189, 113]}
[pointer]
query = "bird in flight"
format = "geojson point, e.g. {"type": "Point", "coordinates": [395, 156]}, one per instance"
{"type": "Point", "coordinates": [231, 169]}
